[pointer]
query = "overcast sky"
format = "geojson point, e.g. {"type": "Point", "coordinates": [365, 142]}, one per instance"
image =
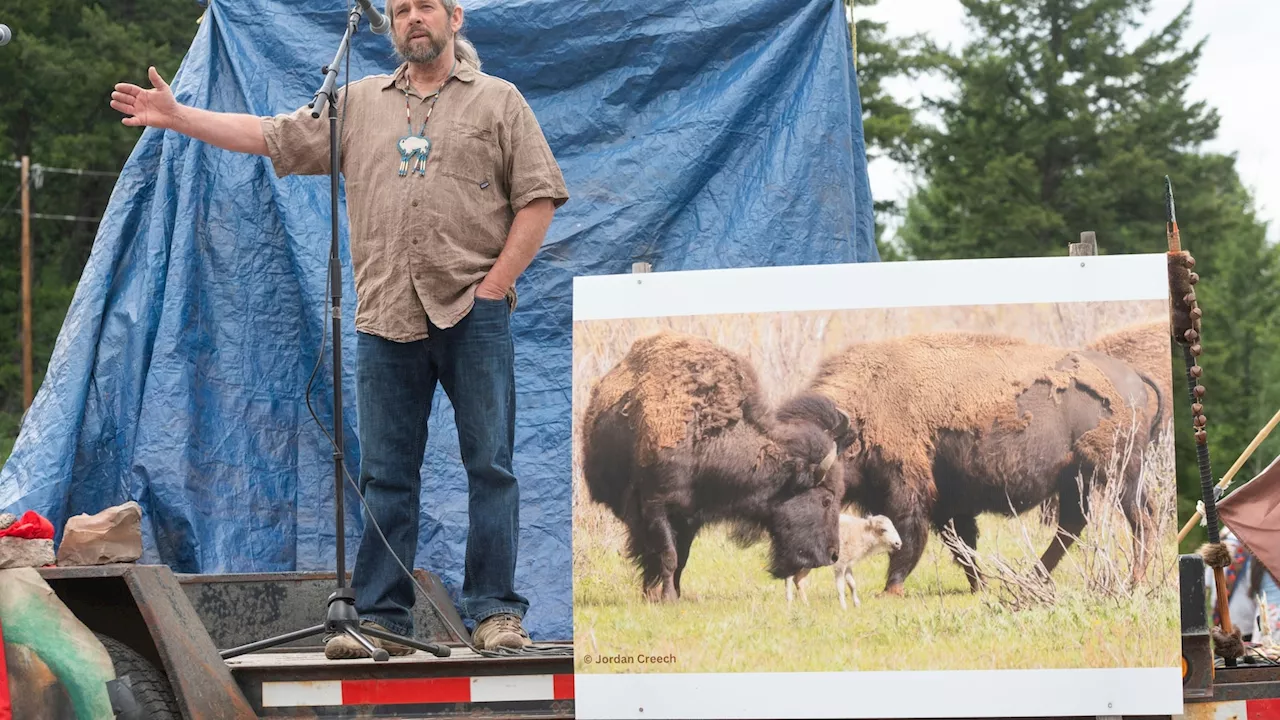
{"type": "Point", "coordinates": [1237, 75]}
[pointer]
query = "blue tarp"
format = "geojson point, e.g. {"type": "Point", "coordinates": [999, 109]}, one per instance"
{"type": "Point", "coordinates": [712, 134]}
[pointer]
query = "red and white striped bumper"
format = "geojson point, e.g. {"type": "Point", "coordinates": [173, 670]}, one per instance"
{"type": "Point", "coordinates": [419, 691]}
{"type": "Point", "coordinates": [1267, 709]}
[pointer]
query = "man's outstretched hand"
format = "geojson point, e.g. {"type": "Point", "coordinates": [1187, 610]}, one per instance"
{"type": "Point", "coordinates": [149, 108]}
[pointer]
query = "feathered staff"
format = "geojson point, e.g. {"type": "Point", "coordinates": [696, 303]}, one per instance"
{"type": "Point", "coordinates": [1185, 328]}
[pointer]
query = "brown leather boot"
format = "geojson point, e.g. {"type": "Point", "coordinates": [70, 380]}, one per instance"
{"type": "Point", "coordinates": [344, 647]}
{"type": "Point", "coordinates": [500, 631]}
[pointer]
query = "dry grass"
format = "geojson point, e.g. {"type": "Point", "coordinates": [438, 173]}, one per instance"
{"type": "Point", "coordinates": [1102, 557]}
{"type": "Point", "coordinates": [1010, 585]}
{"type": "Point", "coordinates": [1106, 563]}
{"type": "Point", "coordinates": [734, 617]}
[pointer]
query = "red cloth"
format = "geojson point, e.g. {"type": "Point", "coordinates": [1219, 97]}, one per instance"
{"type": "Point", "coordinates": [1252, 511]}
{"type": "Point", "coordinates": [6, 705]}
{"type": "Point", "coordinates": [30, 526]}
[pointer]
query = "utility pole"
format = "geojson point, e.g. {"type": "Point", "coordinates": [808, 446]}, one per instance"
{"type": "Point", "coordinates": [853, 29]}
{"type": "Point", "coordinates": [27, 374]}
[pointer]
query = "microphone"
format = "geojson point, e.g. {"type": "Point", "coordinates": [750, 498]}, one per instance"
{"type": "Point", "coordinates": [377, 21]}
{"type": "Point", "coordinates": [6, 34]}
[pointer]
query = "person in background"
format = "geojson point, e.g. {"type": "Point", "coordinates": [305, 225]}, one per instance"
{"type": "Point", "coordinates": [1248, 583]}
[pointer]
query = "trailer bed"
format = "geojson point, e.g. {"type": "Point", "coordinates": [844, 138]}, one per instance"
{"type": "Point", "coordinates": [306, 684]}
{"type": "Point", "coordinates": [180, 623]}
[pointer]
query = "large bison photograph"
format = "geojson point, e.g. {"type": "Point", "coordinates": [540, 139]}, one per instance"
{"type": "Point", "coordinates": [950, 487]}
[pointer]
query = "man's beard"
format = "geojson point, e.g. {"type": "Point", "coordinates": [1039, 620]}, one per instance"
{"type": "Point", "coordinates": [420, 55]}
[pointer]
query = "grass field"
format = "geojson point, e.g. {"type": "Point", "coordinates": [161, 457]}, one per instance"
{"type": "Point", "coordinates": [734, 617]}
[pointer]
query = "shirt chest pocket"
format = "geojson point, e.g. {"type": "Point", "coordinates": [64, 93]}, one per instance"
{"type": "Point", "coordinates": [471, 154]}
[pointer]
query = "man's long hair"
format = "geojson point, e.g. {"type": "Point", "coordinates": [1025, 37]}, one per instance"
{"type": "Point", "coordinates": [463, 50]}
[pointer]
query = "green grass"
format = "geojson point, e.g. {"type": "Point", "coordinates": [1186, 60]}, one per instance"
{"type": "Point", "coordinates": [734, 617]}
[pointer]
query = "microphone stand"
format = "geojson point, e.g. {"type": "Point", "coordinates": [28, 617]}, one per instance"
{"type": "Point", "coordinates": [341, 615]}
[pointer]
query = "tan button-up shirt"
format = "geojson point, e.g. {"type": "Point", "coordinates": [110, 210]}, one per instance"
{"type": "Point", "coordinates": [421, 244]}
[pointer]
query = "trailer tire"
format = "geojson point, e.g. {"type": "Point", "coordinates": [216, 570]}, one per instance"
{"type": "Point", "coordinates": [151, 689]}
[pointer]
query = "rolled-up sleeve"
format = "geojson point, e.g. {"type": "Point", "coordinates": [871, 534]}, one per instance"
{"type": "Point", "coordinates": [532, 170]}
{"type": "Point", "coordinates": [297, 143]}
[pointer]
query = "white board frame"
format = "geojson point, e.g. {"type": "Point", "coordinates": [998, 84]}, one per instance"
{"type": "Point", "coordinates": [877, 694]}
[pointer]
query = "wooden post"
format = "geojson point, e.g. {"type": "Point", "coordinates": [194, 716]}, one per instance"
{"type": "Point", "coordinates": [27, 374]}
{"type": "Point", "coordinates": [1088, 245]}
{"type": "Point", "coordinates": [641, 267]}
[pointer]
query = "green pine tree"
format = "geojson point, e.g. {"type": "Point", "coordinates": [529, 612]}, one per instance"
{"type": "Point", "coordinates": [59, 70]}
{"type": "Point", "coordinates": [890, 128]}
{"type": "Point", "coordinates": [1057, 126]}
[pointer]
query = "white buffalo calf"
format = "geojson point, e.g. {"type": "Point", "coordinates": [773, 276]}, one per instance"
{"type": "Point", "coordinates": [860, 537]}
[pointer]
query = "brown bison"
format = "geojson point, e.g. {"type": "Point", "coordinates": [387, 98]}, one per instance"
{"type": "Point", "coordinates": [677, 435]}
{"type": "Point", "coordinates": [947, 426]}
{"type": "Point", "coordinates": [1146, 347]}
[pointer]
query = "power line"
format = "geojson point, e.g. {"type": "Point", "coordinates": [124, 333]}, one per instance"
{"type": "Point", "coordinates": [36, 171]}
{"type": "Point", "coordinates": [46, 216]}
{"type": "Point", "coordinates": [65, 171]}
{"type": "Point", "coordinates": [75, 171]}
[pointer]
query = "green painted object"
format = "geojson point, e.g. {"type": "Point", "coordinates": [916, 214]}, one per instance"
{"type": "Point", "coordinates": [43, 637]}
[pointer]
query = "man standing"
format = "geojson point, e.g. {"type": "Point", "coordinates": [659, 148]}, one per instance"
{"type": "Point", "coordinates": [450, 189]}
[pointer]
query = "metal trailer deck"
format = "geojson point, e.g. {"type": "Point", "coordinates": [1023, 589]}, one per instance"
{"type": "Point", "coordinates": [180, 624]}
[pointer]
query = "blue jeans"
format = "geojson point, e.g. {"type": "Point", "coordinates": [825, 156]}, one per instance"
{"type": "Point", "coordinates": [395, 383]}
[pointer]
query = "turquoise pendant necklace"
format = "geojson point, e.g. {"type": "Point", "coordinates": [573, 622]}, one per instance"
{"type": "Point", "coordinates": [414, 149]}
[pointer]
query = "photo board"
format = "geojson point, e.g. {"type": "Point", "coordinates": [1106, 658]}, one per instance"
{"type": "Point", "coordinates": [916, 489]}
